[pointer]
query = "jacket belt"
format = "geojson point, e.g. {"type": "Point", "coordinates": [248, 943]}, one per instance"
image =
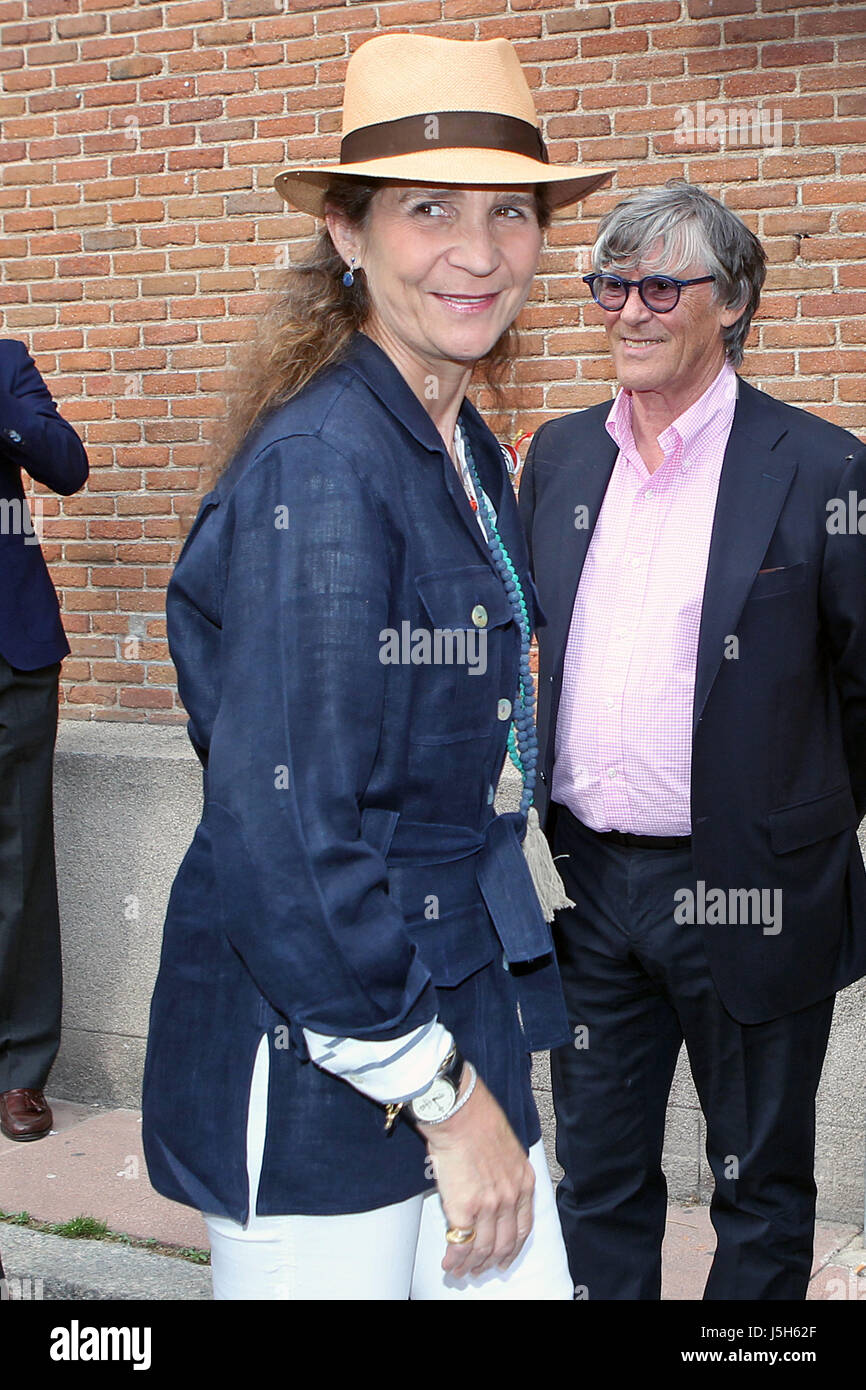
{"type": "Point", "coordinates": [509, 894]}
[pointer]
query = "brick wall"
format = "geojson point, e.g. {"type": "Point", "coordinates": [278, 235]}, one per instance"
{"type": "Point", "coordinates": [140, 230]}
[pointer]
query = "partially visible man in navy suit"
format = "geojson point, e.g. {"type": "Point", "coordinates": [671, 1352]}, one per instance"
{"type": "Point", "coordinates": [702, 735]}
{"type": "Point", "coordinates": [33, 436]}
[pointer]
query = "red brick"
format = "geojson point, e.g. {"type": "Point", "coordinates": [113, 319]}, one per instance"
{"type": "Point", "coordinates": [756, 30]}
{"type": "Point", "coordinates": [762, 85]}
{"type": "Point", "coordinates": [798, 334]}
{"type": "Point", "coordinates": [591, 45]}
{"type": "Point", "coordinates": [789, 55]}
{"type": "Point", "coordinates": [122, 69]}
{"type": "Point", "coordinates": [716, 9]}
{"type": "Point", "coordinates": [20, 35]}
{"type": "Point", "coordinates": [578, 17]}
{"type": "Point", "coordinates": [146, 699]}
{"type": "Point", "coordinates": [162, 41]}
{"type": "Point", "coordinates": [795, 166]}
{"type": "Point", "coordinates": [851, 50]}
{"type": "Point", "coordinates": [689, 36]}
{"type": "Point", "coordinates": [823, 79]}
{"type": "Point", "coordinates": [80, 26]}
{"type": "Point", "coordinates": [646, 12]}
{"type": "Point", "coordinates": [833, 133]}
{"type": "Point", "coordinates": [841, 20]}
{"type": "Point", "coordinates": [648, 65]}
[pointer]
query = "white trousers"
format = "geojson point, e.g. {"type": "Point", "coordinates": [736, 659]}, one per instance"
{"type": "Point", "coordinates": [394, 1252]}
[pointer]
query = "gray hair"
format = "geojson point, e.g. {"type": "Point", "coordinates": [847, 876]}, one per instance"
{"type": "Point", "coordinates": [690, 225]}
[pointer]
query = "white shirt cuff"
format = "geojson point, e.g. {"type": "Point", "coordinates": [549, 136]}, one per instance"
{"type": "Point", "coordinates": [388, 1072]}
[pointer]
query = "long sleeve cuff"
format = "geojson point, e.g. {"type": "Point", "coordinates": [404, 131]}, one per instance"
{"type": "Point", "coordinates": [388, 1072]}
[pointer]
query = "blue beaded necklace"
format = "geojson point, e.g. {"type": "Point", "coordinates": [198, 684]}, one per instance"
{"type": "Point", "coordinates": [522, 740]}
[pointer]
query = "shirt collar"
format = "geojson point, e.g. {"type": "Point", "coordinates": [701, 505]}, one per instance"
{"type": "Point", "coordinates": [683, 439]}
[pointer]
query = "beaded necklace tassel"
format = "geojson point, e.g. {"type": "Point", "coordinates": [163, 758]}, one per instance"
{"type": "Point", "coordinates": [522, 740]}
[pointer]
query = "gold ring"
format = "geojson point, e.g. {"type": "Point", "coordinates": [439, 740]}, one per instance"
{"type": "Point", "coordinates": [456, 1235]}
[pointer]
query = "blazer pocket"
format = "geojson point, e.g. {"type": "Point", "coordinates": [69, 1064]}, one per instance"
{"type": "Point", "coordinates": [452, 597]}
{"type": "Point", "coordinates": [456, 945]}
{"type": "Point", "coordinates": [810, 821]}
{"type": "Point", "coordinates": [457, 686]}
{"type": "Point", "coordinates": [779, 581]}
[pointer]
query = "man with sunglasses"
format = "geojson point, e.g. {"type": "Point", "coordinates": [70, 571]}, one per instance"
{"type": "Point", "coordinates": [702, 737]}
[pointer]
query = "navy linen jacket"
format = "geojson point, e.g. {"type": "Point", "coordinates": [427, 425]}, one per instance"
{"type": "Point", "coordinates": [33, 436]}
{"type": "Point", "coordinates": [349, 874]}
{"type": "Point", "coordinates": [778, 778]}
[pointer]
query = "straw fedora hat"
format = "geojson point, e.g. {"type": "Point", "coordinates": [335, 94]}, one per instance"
{"type": "Point", "coordinates": [440, 111]}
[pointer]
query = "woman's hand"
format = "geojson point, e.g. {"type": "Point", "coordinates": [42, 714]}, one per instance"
{"type": "Point", "coordinates": [485, 1181]}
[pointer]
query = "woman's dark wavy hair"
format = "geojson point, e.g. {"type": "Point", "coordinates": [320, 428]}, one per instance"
{"type": "Point", "coordinates": [310, 322]}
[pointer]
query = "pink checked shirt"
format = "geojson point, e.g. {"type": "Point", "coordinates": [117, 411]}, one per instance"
{"type": "Point", "coordinates": [624, 731]}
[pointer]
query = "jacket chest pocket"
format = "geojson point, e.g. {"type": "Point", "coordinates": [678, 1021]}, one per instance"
{"type": "Point", "coordinates": [460, 651]}
{"type": "Point", "coordinates": [783, 579]}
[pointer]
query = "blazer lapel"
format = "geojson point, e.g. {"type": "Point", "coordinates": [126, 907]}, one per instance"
{"type": "Point", "coordinates": [752, 490]}
{"type": "Point", "coordinates": [576, 497]}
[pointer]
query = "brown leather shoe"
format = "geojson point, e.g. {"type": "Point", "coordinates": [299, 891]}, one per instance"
{"type": "Point", "coordinates": [24, 1114]}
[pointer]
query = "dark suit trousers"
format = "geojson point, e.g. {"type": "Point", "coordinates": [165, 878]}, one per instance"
{"type": "Point", "coordinates": [30, 963]}
{"type": "Point", "coordinates": [637, 984]}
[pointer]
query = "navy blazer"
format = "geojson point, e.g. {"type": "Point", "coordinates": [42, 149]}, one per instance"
{"type": "Point", "coordinates": [33, 436]}
{"type": "Point", "coordinates": [778, 780]}
{"type": "Point", "coordinates": [349, 874]}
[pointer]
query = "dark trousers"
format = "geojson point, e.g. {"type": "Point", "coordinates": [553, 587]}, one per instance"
{"type": "Point", "coordinates": [637, 985]}
{"type": "Point", "coordinates": [30, 963]}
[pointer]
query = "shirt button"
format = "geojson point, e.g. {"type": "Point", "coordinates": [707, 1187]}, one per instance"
{"type": "Point", "coordinates": [636, 560]}
{"type": "Point", "coordinates": [14, 436]}
{"type": "Point", "coordinates": [611, 772]}
{"type": "Point", "coordinates": [649, 492]}
{"type": "Point", "coordinates": [503, 709]}
{"type": "Point", "coordinates": [609, 702]}
{"type": "Point", "coordinates": [479, 615]}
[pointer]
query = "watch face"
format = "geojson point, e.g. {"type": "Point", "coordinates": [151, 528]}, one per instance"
{"type": "Point", "coordinates": [436, 1101]}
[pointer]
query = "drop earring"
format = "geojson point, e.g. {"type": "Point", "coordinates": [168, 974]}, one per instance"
{"type": "Point", "coordinates": [349, 278]}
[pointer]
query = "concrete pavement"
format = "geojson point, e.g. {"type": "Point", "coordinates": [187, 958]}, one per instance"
{"type": "Point", "coordinates": [92, 1165]}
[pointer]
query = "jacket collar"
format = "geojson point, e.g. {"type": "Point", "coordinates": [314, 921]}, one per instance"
{"type": "Point", "coordinates": [375, 368]}
{"type": "Point", "coordinates": [373, 365]}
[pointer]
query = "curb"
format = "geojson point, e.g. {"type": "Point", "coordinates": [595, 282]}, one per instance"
{"type": "Point", "coordinates": [54, 1268]}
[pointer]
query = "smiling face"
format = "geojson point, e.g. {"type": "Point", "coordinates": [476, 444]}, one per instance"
{"type": "Point", "coordinates": [677, 354]}
{"type": "Point", "coordinates": [447, 271]}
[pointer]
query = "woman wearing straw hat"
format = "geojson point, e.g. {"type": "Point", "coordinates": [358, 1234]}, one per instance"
{"type": "Point", "coordinates": [355, 965]}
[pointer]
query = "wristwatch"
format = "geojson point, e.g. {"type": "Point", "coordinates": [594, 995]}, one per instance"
{"type": "Point", "coordinates": [436, 1103]}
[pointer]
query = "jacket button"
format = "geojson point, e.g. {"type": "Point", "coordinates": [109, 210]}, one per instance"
{"type": "Point", "coordinates": [479, 615]}
{"type": "Point", "coordinates": [503, 709]}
